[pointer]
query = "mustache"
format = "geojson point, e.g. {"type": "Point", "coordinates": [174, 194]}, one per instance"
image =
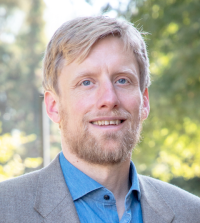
{"type": "Point", "coordinates": [114, 114]}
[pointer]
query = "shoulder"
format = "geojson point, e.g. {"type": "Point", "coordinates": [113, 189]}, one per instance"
{"type": "Point", "coordinates": [169, 191]}
{"type": "Point", "coordinates": [20, 184]}
{"type": "Point", "coordinates": [28, 182]}
{"type": "Point", "coordinates": [18, 195]}
{"type": "Point", "coordinates": [184, 204]}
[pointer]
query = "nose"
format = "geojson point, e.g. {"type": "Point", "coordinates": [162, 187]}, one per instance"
{"type": "Point", "coordinates": [107, 97]}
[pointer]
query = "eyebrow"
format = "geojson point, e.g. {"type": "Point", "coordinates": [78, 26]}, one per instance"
{"type": "Point", "coordinates": [84, 73]}
{"type": "Point", "coordinates": [128, 71]}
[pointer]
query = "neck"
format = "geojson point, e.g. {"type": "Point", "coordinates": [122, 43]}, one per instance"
{"type": "Point", "coordinates": [114, 177]}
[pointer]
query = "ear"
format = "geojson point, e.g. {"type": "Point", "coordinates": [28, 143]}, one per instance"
{"type": "Point", "coordinates": [146, 106]}
{"type": "Point", "coordinates": [52, 106]}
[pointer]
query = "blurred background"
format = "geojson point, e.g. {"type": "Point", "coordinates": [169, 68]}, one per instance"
{"type": "Point", "coordinates": [170, 147]}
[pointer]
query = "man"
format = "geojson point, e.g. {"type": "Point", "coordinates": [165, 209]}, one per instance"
{"type": "Point", "coordinates": [96, 79]}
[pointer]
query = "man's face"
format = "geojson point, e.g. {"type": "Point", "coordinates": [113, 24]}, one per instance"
{"type": "Point", "coordinates": [100, 104]}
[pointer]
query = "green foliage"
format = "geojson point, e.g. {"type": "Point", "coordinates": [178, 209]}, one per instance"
{"type": "Point", "coordinates": [11, 150]}
{"type": "Point", "coordinates": [171, 143]}
{"type": "Point", "coordinates": [21, 52]}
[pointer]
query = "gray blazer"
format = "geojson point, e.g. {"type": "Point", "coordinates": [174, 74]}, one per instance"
{"type": "Point", "coordinates": [43, 196]}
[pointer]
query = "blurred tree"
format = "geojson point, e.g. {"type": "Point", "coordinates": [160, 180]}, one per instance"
{"type": "Point", "coordinates": [21, 52]}
{"type": "Point", "coordinates": [171, 134]}
{"type": "Point", "coordinates": [11, 163]}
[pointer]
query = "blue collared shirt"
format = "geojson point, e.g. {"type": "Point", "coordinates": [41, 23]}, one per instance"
{"type": "Point", "coordinates": [96, 204]}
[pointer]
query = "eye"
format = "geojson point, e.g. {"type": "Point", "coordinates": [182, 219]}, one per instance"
{"type": "Point", "coordinates": [86, 83]}
{"type": "Point", "coordinates": [122, 81]}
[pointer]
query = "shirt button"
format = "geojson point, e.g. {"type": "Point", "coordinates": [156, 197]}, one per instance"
{"type": "Point", "coordinates": [106, 197]}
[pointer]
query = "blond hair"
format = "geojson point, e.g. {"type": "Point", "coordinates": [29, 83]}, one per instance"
{"type": "Point", "coordinates": [75, 38]}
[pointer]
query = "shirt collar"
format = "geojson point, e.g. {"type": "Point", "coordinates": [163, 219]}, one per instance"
{"type": "Point", "coordinates": [134, 180]}
{"type": "Point", "coordinates": [80, 184]}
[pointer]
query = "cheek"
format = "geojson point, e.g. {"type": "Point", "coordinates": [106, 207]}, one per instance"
{"type": "Point", "coordinates": [81, 105]}
{"type": "Point", "coordinates": [132, 102]}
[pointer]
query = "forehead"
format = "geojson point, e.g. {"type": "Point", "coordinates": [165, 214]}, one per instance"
{"type": "Point", "coordinates": [108, 55]}
{"type": "Point", "coordinates": [108, 45]}
{"type": "Point", "coordinates": [110, 49]}
{"type": "Point", "coordinates": [111, 52]}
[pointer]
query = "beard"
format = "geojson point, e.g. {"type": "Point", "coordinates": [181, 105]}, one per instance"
{"type": "Point", "coordinates": [101, 150]}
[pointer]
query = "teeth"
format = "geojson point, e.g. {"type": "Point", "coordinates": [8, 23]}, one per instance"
{"type": "Point", "coordinates": [106, 122]}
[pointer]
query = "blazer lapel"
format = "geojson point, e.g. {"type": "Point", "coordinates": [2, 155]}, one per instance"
{"type": "Point", "coordinates": [154, 207]}
{"type": "Point", "coordinates": [53, 199]}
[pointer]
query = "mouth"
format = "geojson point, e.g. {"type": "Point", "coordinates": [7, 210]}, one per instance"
{"type": "Point", "coordinates": [108, 122]}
